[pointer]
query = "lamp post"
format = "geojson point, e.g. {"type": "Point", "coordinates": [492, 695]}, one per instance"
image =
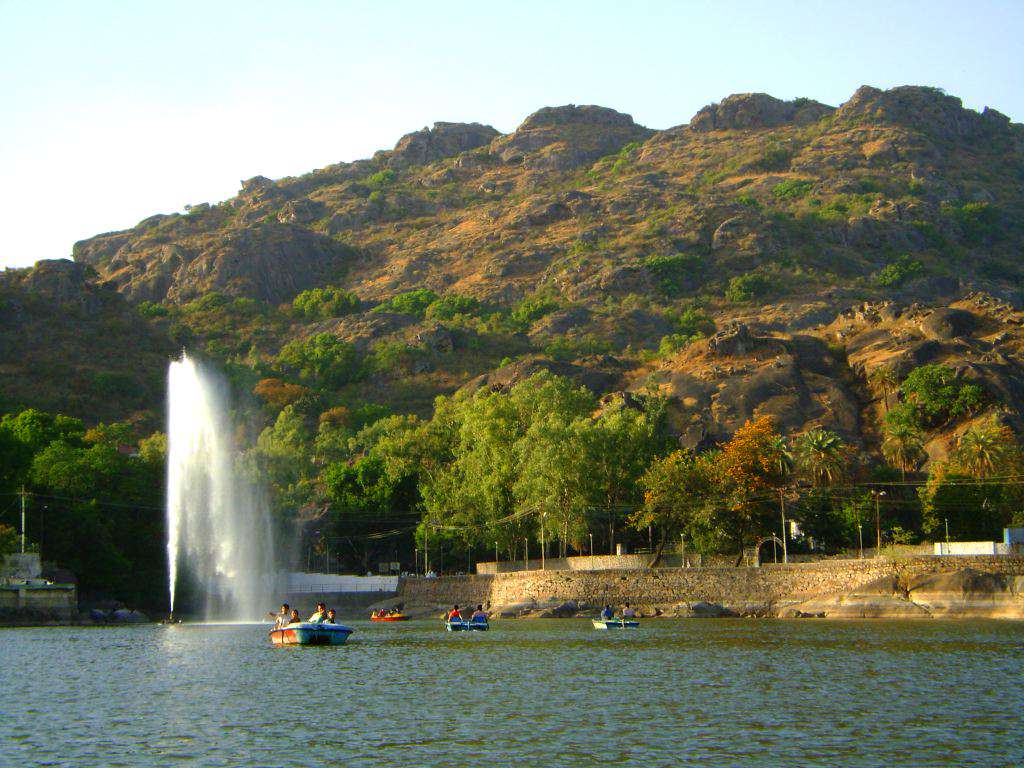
{"type": "Point", "coordinates": [526, 552]}
{"type": "Point", "coordinates": [946, 521]}
{"type": "Point", "coordinates": [860, 539]}
{"type": "Point", "coordinates": [682, 550]}
{"type": "Point", "coordinates": [416, 561]}
{"type": "Point", "coordinates": [543, 552]}
{"type": "Point", "coordinates": [495, 557]}
{"type": "Point", "coordinates": [591, 544]}
{"type": "Point", "coordinates": [878, 523]}
{"type": "Point", "coordinates": [782, 508]}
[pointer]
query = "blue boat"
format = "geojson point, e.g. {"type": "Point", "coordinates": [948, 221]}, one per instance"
{"type": "Point", "coordinates": [466, 626]}
{"type": "Point", "coordinates": [615, 623]}
{"type": "Point", "coordinates": [310, 633]}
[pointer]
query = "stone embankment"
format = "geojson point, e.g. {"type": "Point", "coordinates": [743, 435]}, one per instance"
{"type": "Point", "coordinates": [875, 588]}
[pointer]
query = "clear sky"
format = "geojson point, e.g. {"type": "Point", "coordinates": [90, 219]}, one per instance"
{"type": "Point", "coordinates": [112, 111]}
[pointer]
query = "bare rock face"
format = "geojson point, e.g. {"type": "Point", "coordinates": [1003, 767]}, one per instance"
{"type": "Point", "coordinates": [560, 138]}
{"type": "Point", "coordinates": [441, 141]}
{"type": "Point", "coordinates": [61, 282]}
{"type": "Point", "coordinates": [922, 108]}
{"type": "Point", "coordinates": [269, 261]}
{"type": "Point", "coordinates": [757, 110]}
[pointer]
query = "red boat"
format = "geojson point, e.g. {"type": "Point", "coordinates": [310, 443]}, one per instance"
{"type": "Point", "coordinates": [391, 617]}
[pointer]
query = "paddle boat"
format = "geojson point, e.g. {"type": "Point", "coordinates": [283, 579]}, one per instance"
{"type": "Point", "coordinates": [310, 633]}
{"type": "Point", "coordinates": [391, 617]}
{"type": "Point", "coordinates": [467, 626]}
{"type": "Point", "coordinates": [616, 623]}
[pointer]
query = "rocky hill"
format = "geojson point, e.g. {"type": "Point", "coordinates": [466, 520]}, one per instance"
{"type": "Point", "coordinates": [767, 256]}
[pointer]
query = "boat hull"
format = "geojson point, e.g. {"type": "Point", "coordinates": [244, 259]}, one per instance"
{"type": "Point", "coordinates": [310, 634]}
{"type": "Point", "coordinates": [466, 626]}
{"type": "Point", "coordinates": [389, 618]}
{"type": "Point", "coordinates": [615, 624]}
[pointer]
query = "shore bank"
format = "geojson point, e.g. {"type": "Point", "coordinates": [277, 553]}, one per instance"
{"type": "Point", "coordinates": [918, 587]}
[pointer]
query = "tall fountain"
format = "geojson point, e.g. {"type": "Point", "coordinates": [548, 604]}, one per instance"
{"type": "Point", "coordinates": [218, 530]}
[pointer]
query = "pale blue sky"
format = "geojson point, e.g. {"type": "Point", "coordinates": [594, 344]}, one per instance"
{"type": "Point", "coordinates": [112, 111]}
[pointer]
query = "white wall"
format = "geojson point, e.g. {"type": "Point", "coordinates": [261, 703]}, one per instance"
{"type": "Point", "coordinates": [971, 548]}
{"type": "Point", "coordinates": [333, 582]}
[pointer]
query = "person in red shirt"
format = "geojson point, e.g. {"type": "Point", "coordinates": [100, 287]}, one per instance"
{"type": "Point", "coordinates": [454, 615]}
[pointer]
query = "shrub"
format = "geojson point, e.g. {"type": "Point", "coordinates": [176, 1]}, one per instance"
{"type": "Point", "coordinates": [774, 158]}
{"type": "Point", "coordinates": [152, 310]}
{"type": "Point", "coordinates": [792, 189]}
{"type": "Point", "coordinates": [897, 273]}
{"type": "Point", "coordinates": [413, 303]}
{"type": "Point", "coordinates": [744, 288]}
{"type": "Point", "coordinates": [381, 178]}
{"type": "Point", "coordinates": [325, 302]}
{"type": "Point", "coordinates": [675, 272]}
{"type": "Point", "coordinates": [447, 307]}
{"type": "Point", "coordinates": [394, 357]}
{"type": "Point", "coordinates": [533, 308]}
{"type": "Point", "coordinates": [978, 221]}
{"type": "Point", "coordinates": [694, 321]}
{"type": "Point", "coordinates": [564, 348]}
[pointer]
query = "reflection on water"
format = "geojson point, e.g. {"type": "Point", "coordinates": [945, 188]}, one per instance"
{"type": "Point", "coordinates": [709, 693]}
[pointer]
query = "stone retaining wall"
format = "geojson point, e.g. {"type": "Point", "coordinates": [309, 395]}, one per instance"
{"type": "Point", "coordinates": [771, 585]}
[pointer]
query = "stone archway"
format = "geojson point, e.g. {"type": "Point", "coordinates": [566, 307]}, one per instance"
{"type": "Point", "coordinates": [777, 549]}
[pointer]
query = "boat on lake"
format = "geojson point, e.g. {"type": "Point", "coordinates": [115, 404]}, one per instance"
{"type": "Point", "coordinates": [466, 626]}
{"type": "Point", "coordinates": [616, 623]}
{"type": "Point", "coordinates": [392, 617]}
{"type": "Point", "coordinates": [310, 633]}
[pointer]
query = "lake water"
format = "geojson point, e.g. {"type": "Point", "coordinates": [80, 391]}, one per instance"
{"type": "Point", "coordinates": [527, 693]}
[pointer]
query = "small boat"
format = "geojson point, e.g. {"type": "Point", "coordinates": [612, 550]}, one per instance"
{"type": "Point", "coordinates": [393, 617]}
{"type": "Point", "coordinates": [310, 633]}
{"type": "Point", "coordinates": [466, 626]}
{"type": "Point", "coordinates": [615, 623]}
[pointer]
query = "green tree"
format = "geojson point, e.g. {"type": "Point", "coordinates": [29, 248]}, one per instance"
{"type": "Point", "coordinates": [822, 456]}
{"type": "Point", "coordinates": [936, 395]}
{"type": "Point", "coordinates": [323, 358]}
{"type": "Point", "coordinates": [903, 446]}
{"type": "Point", "coordinates": [986, 449]}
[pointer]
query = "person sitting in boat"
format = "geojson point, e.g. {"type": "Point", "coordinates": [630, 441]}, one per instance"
{"type": "Point", "coordinates": [607, 613]}
{"type": "Point", "coordinates": [280, 618]}
{"type": "Point", "coordinates": [294, 618]}
{"type": "Point", "coordinates": [454, 614]}
{"type": "Point", "coordinates": [628, 613]}
{"type": "Point", "coordinates": [330, 617]}
{"type": "Point", "coordinates": [479, 615]}
{"type": "Point", "coordinates": [320, 615]}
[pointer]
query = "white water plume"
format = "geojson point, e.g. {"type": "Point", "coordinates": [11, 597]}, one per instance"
{"type": "Point", "coordinates": [218, 530]}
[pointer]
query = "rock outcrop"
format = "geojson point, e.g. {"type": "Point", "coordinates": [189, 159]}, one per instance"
{"type": "Point", "coordinates": [743, 111]}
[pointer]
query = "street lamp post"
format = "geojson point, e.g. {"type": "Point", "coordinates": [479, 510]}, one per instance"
{"type": "Point", "coordinates": [591, 544]}
{"type": "Point", "coordinates": [682, 550]}
{"type": "Point", "coordinates": [946, 521]}
{"type": "Point", "coordinates": [543, 549]}
{"type": "Point", "coordinates": [878, 523]}
{"type": "Point", "coordinates": [782, 507]}
{"type": "Point", "coordinates": [416, 561]}
{"type": "Point", "coordinates": [860, 539]}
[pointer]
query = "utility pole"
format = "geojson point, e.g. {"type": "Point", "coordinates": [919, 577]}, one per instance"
{"type": "Point", "coordinates": [860, 539]}
{"type": "Point", "coordinates": [23, 495]}
{"type": "Point", "coordinates": [782, 507]}
{"type": "Point", "coordinates": [946, 521]}
{"type": "Point", "coordinates": [591, 544]}
{"type": "Point", "coordinates": [426, 551]}
{"type": "Point", "coordinates": [682, 550]}
{"type": "Point", "coordinates": [495, 557]}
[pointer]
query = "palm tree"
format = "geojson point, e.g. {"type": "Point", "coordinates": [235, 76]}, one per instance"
{"type": "Point", "coordinates": [885, 379]}
{"type": "Point", "coordinates": [903, 446]}
{"type": "Point", "coordinates": [822, 456]}
{"type": "Point", "coordinates": [981, 450]}
{"type": "Point", "coordinates": [781, 458]}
